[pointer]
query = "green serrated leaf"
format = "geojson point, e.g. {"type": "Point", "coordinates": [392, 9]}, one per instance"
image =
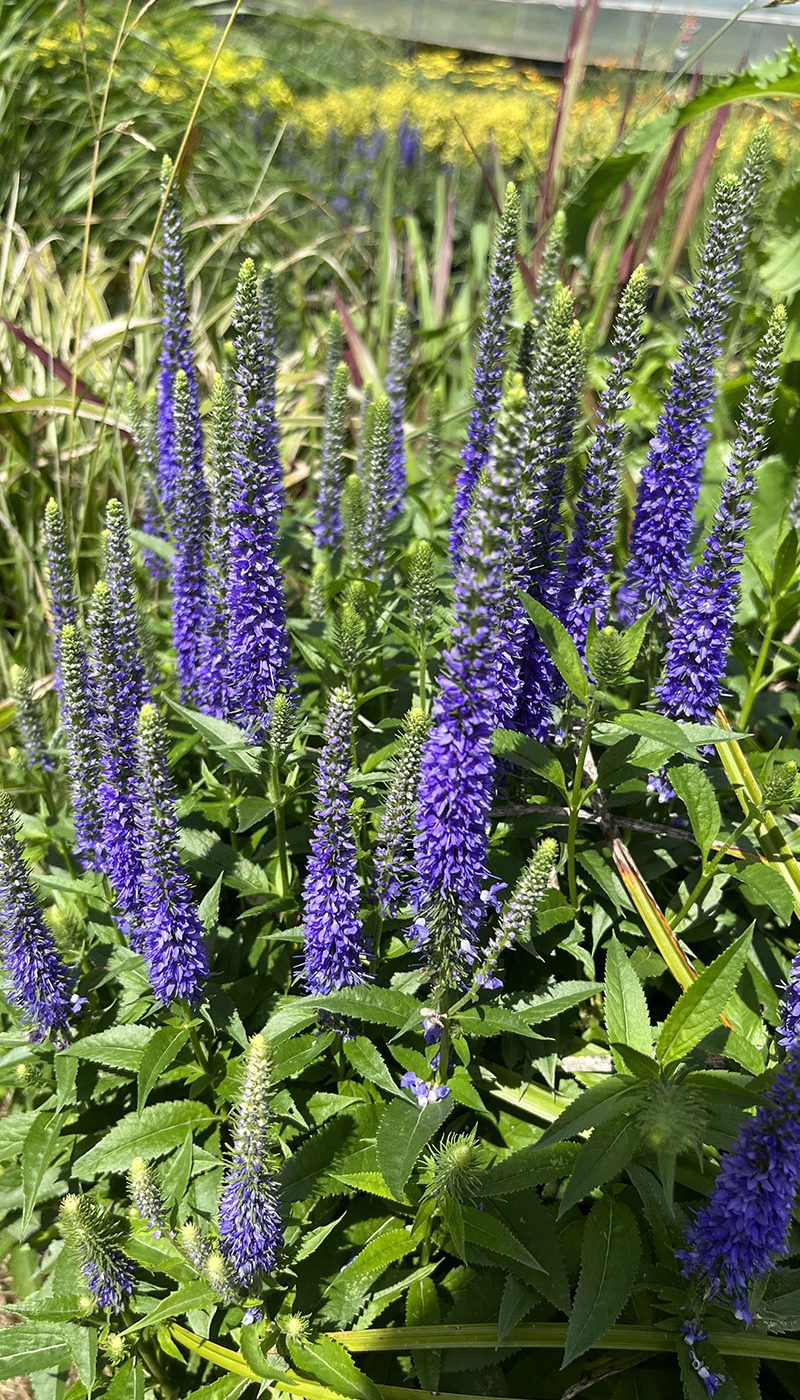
{"type": "Point", "coordinates": [182, 1301]}
{"type": "Point", "coordinates": [38, 1151]}
{"type": "Point", "coordinates": [698, 1009]}
{"type": "Point", "coordinates": [327, 1361]}
{"type": "Point", "coordinates": [700, 801]}
{"type": "Point", "coordinates": [598, 1104]}
{"type": "Point", "coordinates": [763, 885]}
{"type": "Point", "coordinates": [403, 1133]}
{"type": "Point", "coordinates": [149, 1134]}
{"type": "Point", "coordinates": [83, 1350]}
{"type": "Point", "coordinates": [31, 1347]}
{"type": "Point", "coordinates": [423, 1310]}
{"type": "Point", "coordinates": [119, 1047]}
{"type": "Point", "coordinates": [610, 1255]}
{"type": "Point", "coordinates": [367, 1061]}
{"type": "Point", "coordinates": [349, 1289]}
{"type": "Point", "coordinates": [627, 1017]}
{"type": "Point", "coordinates": [162, 1050]}
{"type": "Point", "coordinates": [603, 1157]}
{"type": "Point", "coordinates": [529, 1167]}
{"type": "Point", "coordinates": [563, 651]}
{"type": "Point", "coordinates": [529, 753]}
{"type": "Point", "coordinates": [272, 1369]}
{"type": "Point", "coordinates": [489, 1232]}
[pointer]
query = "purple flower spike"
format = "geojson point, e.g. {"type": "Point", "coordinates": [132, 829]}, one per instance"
{"type": "Point", "coordinates": [665, 508]}
{"type": "Point", "coordinates": [213, 663]}
{"type": "Point", "coordinates": [487, 388]}
{"type": "Point", "coordinates": [176, 354]}
{"type": "Point", "coordinates": [28, 721]}
{"type": "Point", "coordinates": [335, 946]}
{"type": "Point", "coordinates": [328, 523]}
{"type": "Point", "coordinates": [38, 982]}
{"type": "Point", "coordinates": [586, 589]}
{"type": "Point", "coordinates": [79, 725]}
{"type": "Point", "coordinates": [172, 934]}
{"type": "Point", "coordinates": [457, 771]}
{"type": "Point", "coordinates": [189, 520]}
{"type": "Point", "coordinates": [735, 1239]}
{"type": "Point", "coordinates": [553, 403]}
{"type": "Point", "coordinates": [258, 643]}
{"type": "Point", "coordinates": [115, 723]}
{"type": "Point", "coordinates": [250, 1229]}
{"type": "Point", "coordinates": [394, 852]}
{"type": "Point", "coordinates": [119, 577]}
{"type": "Point", "coordinates": [700, 632]}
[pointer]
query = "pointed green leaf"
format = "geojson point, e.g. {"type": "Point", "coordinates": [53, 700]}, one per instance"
{"type": "Point", "coordinates": [700, 801]}
{"type": "Point", "coordinates": [563, 651]}
{"type": "Point", "coordinates": [610, 1255]}
{"type": "Point", "coordinates": [423, 1310]}
{"type": "Point", "coordinates": [149, 1134]}
{"type": "Point", "coordinates": [38, 1151]}
{"type": "Point", "coordinates": [161, 1052]}
{"type": "Point", "coordinates": [327, 1361]}
{"type": "Point", "coordinates": [608, 1150]}
{"type": "Point", "coordinates": [698, 1009]}
{"type": "Point", "coordinates": [486, 1230]}
{"type": "Point", "coordinates": [403, 1133]}
{"type": "Point", "coordinates": [627, 1018]}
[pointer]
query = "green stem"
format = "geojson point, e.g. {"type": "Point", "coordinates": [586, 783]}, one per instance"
{"type": "Point", "coordinates": [754, 683]}
{"type": "Point", "coordinates": [444, 1043]}
{"type": "Point", "coordinates": [576, 802]}
{"type": "Point", "coordinates": [708, 874]}
{"type": "Point", "coordinates": [201, 1054]}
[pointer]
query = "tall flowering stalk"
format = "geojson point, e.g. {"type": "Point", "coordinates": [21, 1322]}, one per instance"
{"type": "Point", "coordinates": [60, 576]}
{"type": "Point", "coordinates": [545, 288]}
{"type": "Point", "coordinates": [142, 423]}
{"type": "Point", "coordinates": [172, 933]}
{"type": "Point", "coordinates": [176, 354]}
{"type": "Point", "coordinates": [259, 662]}
{"type": "Point", "coordinates": [328, 522]}
{"type": "Point", "coordinates": [519, 911]}
{"type": "Point", "coordinates": [189, 520]}
{"type": "Point", "coordinates": [213, 660]}
{"type": "Point", "coordinates": [553, 403]}
{"type": "Point", "coordinates": [28, 721]}
{"type": "Point", "coordinates": [396, 387]}
{"type": "Point", "coordinates": [115, 711]}
{"type": "Point", "coordinates": [378, 488]}
{"type": "Point", "coordinates": [336, 949]}
{"type": "Point", "coordinates": [487, 388]}
{"type": "Point", "coordinates": [701, 628]}
{"type": "Point", "coordinates": [250, 1229]}
{"type": "Point", "coordinates": [665, 507]}
{"type": "Point", "coordinates": [119, 577]}
{"type": "Point", "coordinates": [586, 587]}
{"type": "Point", "coordinates": [394, 852]}
{"type": "Point", "coordinates": [83, 758]}
{"type": "Point", "coordinates": [95, 1237]}
{"type": "Point", "coordinates": [457, 768]}
{"type": "Point", "coordinates": [38, 981]}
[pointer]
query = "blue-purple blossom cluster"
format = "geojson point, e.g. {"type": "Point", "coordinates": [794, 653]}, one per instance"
{"type": "Point", "coordinates": [336, 949]}
{"type": "Point", "coordinates": [94, 1235]}
{"type": "Point", "coordinates": [38, 981]}
{"type": "Point", "coordinates": [251, 1233]}
{"type": "Point", "coordinates": [457, 769]}
{"type": "Point", "coordinates": [702, 625]}
{"type": "Point", "coordinates": [665, 508]}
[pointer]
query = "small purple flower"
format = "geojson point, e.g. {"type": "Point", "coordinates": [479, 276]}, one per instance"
{"type": "Point", "coordinates": [487, 389]}
{"type": "Point", "coordinates": [336, 949]}
{"type": "Point", "coordinates": [422, 1092]}
{"type": "Point", "coordinates": [39, 983]}
{"type": "Point", "coordinates": [251, 1232]}
{"type": "Point", "coordinates": [409, 142]}
{"type": "Point", "coordinates": [173, 938]}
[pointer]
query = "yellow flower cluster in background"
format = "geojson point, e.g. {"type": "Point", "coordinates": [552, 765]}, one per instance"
{"type": "Point", "coordinates": [453, 102]}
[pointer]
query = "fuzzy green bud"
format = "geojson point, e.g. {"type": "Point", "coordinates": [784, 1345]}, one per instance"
{"type": "Point", "coordinates": [28, 720]}
{"type": "Point", "coordinates": [354, 519]}
{"type": "Point", "coordinates": [518, 913]}
{"type": "Point", "coordinates": [672, 1119]}
{"type": "Point", "coordinates": [219, 1276]}
{"type": "Point", "coordinates": [780, 787]}
{"type": "Point", "coordinates": [422, 584]}
{"type": "Point", "coordinates": [281, 723]}
{"type": "Point", "coordinates": [607, 656]}
{"type": "Point", "coordinates": [455, 1167]}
